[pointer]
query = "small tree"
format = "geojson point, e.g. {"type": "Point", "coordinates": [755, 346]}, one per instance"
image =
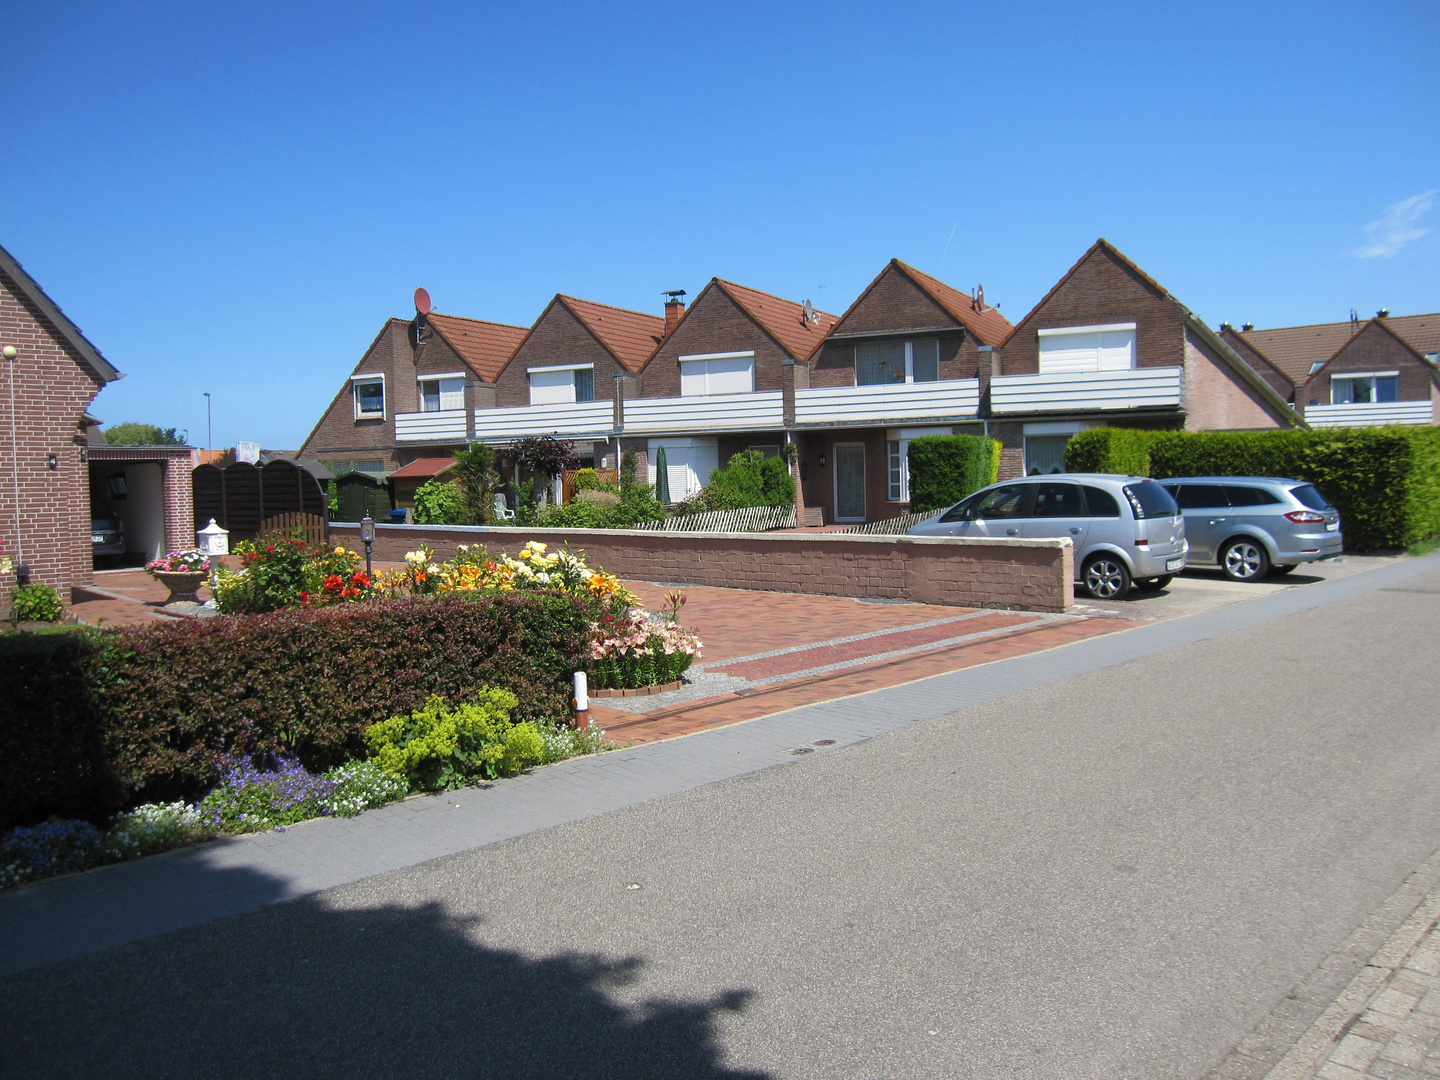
{"type": "Point", "coordinates": [438, 502]}
{"type": "Point", "coordinates": [545, 457]}
{"type": "Point", "coordinates": [477, 480]}
{"type": "Point", "coordinates": [133, 434]}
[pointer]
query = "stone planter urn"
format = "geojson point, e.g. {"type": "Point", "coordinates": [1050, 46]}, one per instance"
{"type": "Point", "coordinates": [182, 584]}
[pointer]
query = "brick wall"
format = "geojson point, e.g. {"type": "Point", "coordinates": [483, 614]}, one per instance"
{"type": "Point", "coordinates": [1023, 575]}
{"type": "Point", "coordinates": [1217, 399]}
{"type": "Point", "coordinates": [714, 324]}
{"type": "Point", "coordinates": [53, 388]}
{"type": "Point", "coordinates": [1374, 349]}
{"type": "Point", "coordinates": [557, 338]}
{"type": "Point", "coordinates": [1101, 290]}
{"type": "Point", "coordinates": [1276, 379]}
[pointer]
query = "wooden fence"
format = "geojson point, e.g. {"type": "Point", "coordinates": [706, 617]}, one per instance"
{"type": "Point", "coordinates": [896, 526]}
{"type": "Point", "coordinates": [313, 527]}
{"type": "Point", "coordinates": [750, 519]}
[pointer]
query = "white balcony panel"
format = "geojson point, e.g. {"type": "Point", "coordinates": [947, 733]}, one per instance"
{"type": "Point", "coordinates": [1372, 414]}
{"type": "Point", "coordinates": [447, 425]}
{"type": "Point", "coordinates": [566, 420]}
{"type": "Point", "coordinates": [1088, 391]}
{"type": "Point", "coordinates": [888, 403]}
{"type": "Point", "coordinates": [714, 412]}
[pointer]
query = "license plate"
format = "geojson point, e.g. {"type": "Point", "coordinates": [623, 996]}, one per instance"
{"type": "Point", "coordinates": [97, 539]}
{"type": "Point", "coordinates": [1174, 564]}
{"type": "Point", "coordinates": [1334, 526]}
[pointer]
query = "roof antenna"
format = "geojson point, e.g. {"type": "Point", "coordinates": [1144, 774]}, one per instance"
{"type": "Point", "coordinates": [977, 298]}
{"type": "Point", "coordinates": [1354, 321]}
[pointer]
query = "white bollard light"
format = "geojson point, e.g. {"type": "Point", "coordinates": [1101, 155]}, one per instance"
{"type": "Point", "coordinates": [582, 701]}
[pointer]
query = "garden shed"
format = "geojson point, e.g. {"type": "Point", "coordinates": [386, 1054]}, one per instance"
{"type": "Point", "coordinates": [359, 492]}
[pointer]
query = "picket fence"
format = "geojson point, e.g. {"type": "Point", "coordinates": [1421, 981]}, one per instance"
{"type": "Point", "coordinates": [749, 519]}
{"type": "Point", "coordinates": [895, 526]}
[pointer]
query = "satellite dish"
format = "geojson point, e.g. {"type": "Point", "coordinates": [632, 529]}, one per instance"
{"type": "Point", "coordinates": [811, 315]}
{"type": "Point", "coordinates": [422, 301]}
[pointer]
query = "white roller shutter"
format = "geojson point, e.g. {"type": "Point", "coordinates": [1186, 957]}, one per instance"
{"type": "Point", "coordinates": [688, 464]}
{"type": "Point", "coordinates": [717, 375]}
{"type": "Point", "coordinates": [552, 387]}
{"type": "Point", "coordinates": [1090, 348]}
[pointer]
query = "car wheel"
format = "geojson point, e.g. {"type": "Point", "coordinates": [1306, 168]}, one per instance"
{"type": "Point", "coordinates": [1106, 578]}
{"type": "Point", "coordinates": [1244, 560]}
{"type": "Point", "coordinates": [1154, 584]}
{"type": "Point", "coordinates": [1283, 568]}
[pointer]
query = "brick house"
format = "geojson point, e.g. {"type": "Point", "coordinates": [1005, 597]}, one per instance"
{"type": "Point", "coordinates": [722, 380]}
{"type": "Point", "coordinates": [1110, 346]}
{"type": "Point", "coordinates": [908, 358]}
{"type": "Point", "coordinates": [49, 386]}
{"type": "Point", "coordinates": [1351, 374]}
{"type": "Point", "coordinates": [413, 392]}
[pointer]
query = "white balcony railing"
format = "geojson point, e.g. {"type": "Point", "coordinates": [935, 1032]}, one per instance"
{"type": "Point", "coordinates": [448, 425]}
{"type": "Point", "coordinates": [1088, 391]}
{"type": "Point", "coordinates": [1371, 414]}
{"type": "Point", "coordinates": [888, 403]}
{"type": "Point", "coordinates": [593, 418]}
{"type": "Point", "coordinates": [714, 412]}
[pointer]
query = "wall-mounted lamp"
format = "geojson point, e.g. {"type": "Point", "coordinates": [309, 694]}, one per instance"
{"type": "Point", "coordinates": [52, 461]}
{"type": "Point", "coordinates": [822, 461]}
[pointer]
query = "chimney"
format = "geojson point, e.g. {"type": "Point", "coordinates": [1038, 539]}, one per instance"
{"type": "Point", "coordinates": [674, 309]}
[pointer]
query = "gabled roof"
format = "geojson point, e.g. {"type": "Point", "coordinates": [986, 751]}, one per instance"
{"type": "Point", "coordinates": [784, 320]}
{"type": "Point", "coordinates": [1383, 325]}
{"type": "Point", "coordinates": [629, 336]}
{"type": "Point", "coordinates": [423, 468]}
{"type": "Point", "coordinates": [1297, 349]}
{"type": "Point", "coordinates": [1119, 256]}
{"type": "Point", "coordinates": [986, 323]}
{"type": "Point", "coordinates": [486, 347]}
{"type": "Point", "coordinates": [77, 341]}
{"type": "Point", "coordinates": [1251, 355]}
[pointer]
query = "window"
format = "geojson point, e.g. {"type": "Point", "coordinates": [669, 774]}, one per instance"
{"type": "Point", "coordinates": [717, 373]}
{"type": "Point", "coordinates": [1101, 503]}
{"type": "Point", "coordinates": [1364, 389]}
{"type": "Point", "coordinates": [369, 397]}
{"type": "Point", "coordinates": [1087, 348]}
{"type": "Point", "coordinates": [442, 392]}
{"type": "Point", "coordinates": [1045, 454]}
{"type": "Point", "coordinates": [1150, 500]}
{"type": "Point", "coordinates": [878, 363]}
{"type": "Point", "coordinates": [369, 465]}
{"type": "Point", "coordinates": [1199, 496]}
{"type": "Point", "coordinates": [1249, 496]}
{"type": "Point", "coordinates": [563, 384]}
{"type": "Point", "coordinates": [1057, 501]}
{"type": "Point", "coordinates": [769, 451]}
{"type": "Point", "coordinates": [1308, 495]}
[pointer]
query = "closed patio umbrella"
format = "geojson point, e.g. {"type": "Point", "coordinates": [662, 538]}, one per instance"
{"type": "Point", "coordinates": [662, 477]}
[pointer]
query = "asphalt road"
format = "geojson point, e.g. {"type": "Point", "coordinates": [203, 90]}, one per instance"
{"type": "Point", "coordinates": [1118, 875]}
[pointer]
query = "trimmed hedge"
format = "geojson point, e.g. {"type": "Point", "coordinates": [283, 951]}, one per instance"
{"type": "Point", "coordinates": [946, 468]}
{"type": "Point", "coordinates": [1385, 481]}
{"type": "Point", "coordinates": [88, 720]}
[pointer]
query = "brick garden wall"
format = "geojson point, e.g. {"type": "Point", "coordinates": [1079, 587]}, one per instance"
{"type": "Point", "coordinates": [1022, 575]}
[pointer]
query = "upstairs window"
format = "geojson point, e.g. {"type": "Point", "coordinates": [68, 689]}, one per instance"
{"type": "Point", "coordinates": [1364, 389]}
{"type": "Point", "coordinates": [563, 384]}
{"type": "Point", "coordinates": [443, 392]}
{"type": "Point", "coordinates": [1075, 349]}
{"type": "Point", "coordinates": [717, 373]}
{"type": "Point", "coordinates": [369, 391]}
{"type": "Point", "coordinates": [881, 362]}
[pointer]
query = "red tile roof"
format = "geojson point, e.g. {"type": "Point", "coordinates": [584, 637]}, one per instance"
{"type": "Point", "coordinates": [784, 320]}
{"type": "Point", "coordinates": [987, 324]}
{"type": "Point", "coordinates": [485, 346]}
{"type": "Point", "coordinates": [423, 468]}
{"type": "Point", "coordinates": [1297, 349]}
{"type": "Point", "coordinates": [630, 336]}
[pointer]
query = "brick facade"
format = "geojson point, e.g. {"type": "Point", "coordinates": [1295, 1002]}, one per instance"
{"type": "Point", "coordinates": [1375, 348]}
{"type": "Point", "coordinates": [53, 385]}
{"type": "Point", "coordinates": [714, 323]}
{"type": "Point", "coordinates": [557, 337]}
{"type": "Point", "coordinates": [1022, 575]}
{"type": "Point", "coordinates": [1276, 379]}
{"type": "Point", "coordinates": [339, 436]}
{"type": "Point", "coordinates": [1217, 401]}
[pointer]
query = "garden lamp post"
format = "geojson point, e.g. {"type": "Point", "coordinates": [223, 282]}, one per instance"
{"type": "Point", "coordinates": [367, 537]}
{"type": "Point", "coordinates": [213, 542]}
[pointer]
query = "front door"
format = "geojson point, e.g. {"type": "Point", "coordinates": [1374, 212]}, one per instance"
{"type": "Point", "coordinates": [849, 481]}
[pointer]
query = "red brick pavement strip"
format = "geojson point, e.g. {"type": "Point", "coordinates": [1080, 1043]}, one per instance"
{"type": "Point", "coordinates": [706, 713]}
{"type": "Point", "coordinates": [825, 655]}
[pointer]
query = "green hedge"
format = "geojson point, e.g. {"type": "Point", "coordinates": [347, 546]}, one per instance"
{"type": "Point", "coordinates": [946, 468]}
{"type": "Point", "coordinates": [1385, 481]}
{"type": "Point", "coordinates": [88, 720]}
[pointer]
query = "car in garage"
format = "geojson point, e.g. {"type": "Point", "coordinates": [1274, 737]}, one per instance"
{"type": "Point", "coordinates": [1251, 526]}
{"type": "Point", "coordinates": [1127, 530]}
{"type": "Point", "coordinates": [107, 539]}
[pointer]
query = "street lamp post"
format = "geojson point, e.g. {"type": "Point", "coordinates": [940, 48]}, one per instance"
{"type": "Point", "coordinates": [367, 537]}
{"type": "Point", "coordinates": [209, 443]}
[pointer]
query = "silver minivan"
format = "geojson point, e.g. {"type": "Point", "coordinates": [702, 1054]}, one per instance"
{"type": "Point", "coordinates": [1251, 526]}
{"type": "Point", "coordinates": [1126, 529]}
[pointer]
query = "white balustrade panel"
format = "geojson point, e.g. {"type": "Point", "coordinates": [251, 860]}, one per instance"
{"type": "Point", "coordinates": [447, 425]}
{"type": "Point", "coordinates": [713, 412]}
{"type": "Point", "coordinates": [1088, 391]}
{"type": "Point", "coordinates": [565, 420]}
{"type": "Point", "coordinates": [1372, 414]}
{"type": "Point", "coordinates": [888, 403]}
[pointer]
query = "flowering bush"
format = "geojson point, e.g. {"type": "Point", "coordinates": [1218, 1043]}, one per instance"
{"type": "Point", "coordinates": [153, 828]}
{"type": "Point", "coordinates": [435, 747]}
{"type": "Point", "coordinates": [363, 785]}
{"type": "Point", "coordinates": [277, 574]}
{"type": "Point", "coordinates": [638, 648]}
{"type": "Point", "coordinates": [250, 798]}
{"type": "Point", "coordinates": [179, 562]}
{"type": "Point", "coordinates": [55, 847]}
{"type": "Point", "coordinates": [561, 741]}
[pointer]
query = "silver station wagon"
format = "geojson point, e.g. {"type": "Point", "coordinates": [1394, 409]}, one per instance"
{"type": "Point", "coordinates": [1251, 526]}
{"type": "Point", "coordinates": [1126, 529]}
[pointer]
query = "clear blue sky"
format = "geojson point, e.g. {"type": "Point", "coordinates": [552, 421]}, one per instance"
{"type": "Point", "coordinates": [234, 197]}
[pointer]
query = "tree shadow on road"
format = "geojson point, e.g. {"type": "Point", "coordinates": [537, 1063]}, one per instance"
{"type": "Point", "coordinates": [297, 990]}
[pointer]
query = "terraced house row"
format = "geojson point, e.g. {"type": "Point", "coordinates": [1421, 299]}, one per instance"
{"type": "Point", "coordinates": [740, 368]}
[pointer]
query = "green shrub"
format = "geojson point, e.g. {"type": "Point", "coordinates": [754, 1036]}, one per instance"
{"type": "Point", "coordinates": [748, 479]}
{"type": "Point", "coordinates": [586, 480]}
{"type": "Point", "coordinates": [36, 602]}
{"type": "Point", "coordinates": [1111, 450]}
{"type": "Point", "coordinates": [438, 748]}
{"type": "Point", "coordinates": [438, 502]}
{"type": "Point", "coordinates": [600, 509]}
{"type": "Point", "coordinates": [946, 468]}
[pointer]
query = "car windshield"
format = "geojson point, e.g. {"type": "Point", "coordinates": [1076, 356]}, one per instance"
{"type": "Point", "coordinates": [1309, 496]}
{"type": "Point", "coordinates": [102, 525]}
{"type": "Point", "coordinates": [1150, 500]}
